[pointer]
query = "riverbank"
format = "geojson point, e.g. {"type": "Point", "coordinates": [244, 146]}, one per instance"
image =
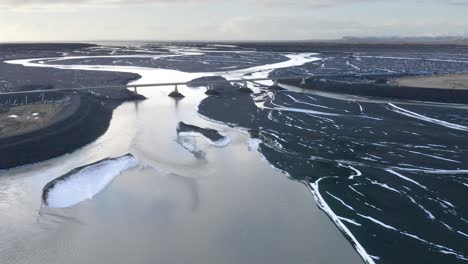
{"type": "Point", "coordinates": [345, 148]}
{"type": "Point", "coordinates": [451, 88]}
{"type": "Point", "coordinates": [51, 126]}
{"type": "Point", "coordinates": [229, 207]}
{"type": "Point", "coordinates": [21, 119]}
{"type": "Point", "coordinates": [35, 127]}
{"type": "Point", "coordinates": [446, 81]}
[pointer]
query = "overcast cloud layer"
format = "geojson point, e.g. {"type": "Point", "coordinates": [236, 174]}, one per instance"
{"type": "Point", "coordinates": [45, 20]}
{"type": "Point", "coordinates": [309, 3]}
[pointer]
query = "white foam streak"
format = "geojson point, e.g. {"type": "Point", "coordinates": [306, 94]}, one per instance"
{"type": "Point", "coordinates": [306, 103]}
{"type": "Point", "coordinates": [299, 110]}
{"type": "Point", "coordinates": [356, 191]}
{"type": "Point", "coordinates": [442, 249]}
{"type": "Point", "coordinates": [406, 178]}
{"type": "Point", "coordinates": [341, 201]}
{"type": "Point", "coordinates": [314, 188]}
{"type": "Point", "coordinates": [385, 186]}
{"type": "Point", "coordinates": [358, 173]}
{"type": "Point", "coordinates": [378, 222]}
{"type": "Point", "coordinates": [429, 214]}
{"type": "Point", "coordinates": [351, 221]}
{"type": "Point", "coordinates": [408, 113]}
{"type": "Point", "coordinates": [434, 156]}
{"type": "Point", "coordinates": [461, 233]}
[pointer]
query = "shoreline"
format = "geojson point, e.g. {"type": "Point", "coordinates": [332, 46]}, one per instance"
{"type": "Point", "coordinates": [271, 127]}
{"type": "Point", "coordinates": [17, 120]}
{"type": "Point", "coordinates": [435, 88]}
{"type": "Point", "coordinates": [265, 127]}
{"type": "Point", "coordinates": [236, 184]}
{"type": "Point", "coordinates": [455, 81]}
{"type": "Point", "coordinates": [85, 119]}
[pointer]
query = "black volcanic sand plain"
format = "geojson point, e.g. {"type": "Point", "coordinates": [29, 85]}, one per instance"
{"type": "Point", "coordinates": [371, 70]}
{"type": "Point", "coordinates": [86, 117]}
{"type": "Point", "coordinates": [398, 181]}
{"type": "Point", "coordinates": [393, 172]}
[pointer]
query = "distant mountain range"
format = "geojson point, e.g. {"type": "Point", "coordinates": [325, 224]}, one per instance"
{"type": "Point", "coordinates": [459, 40]}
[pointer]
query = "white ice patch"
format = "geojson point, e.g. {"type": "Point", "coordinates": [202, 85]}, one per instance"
{"type": "Point", "coordinates": [85, 183]}
{"type": "Point", "coordinates": [188, 142]}
{"type": "Point", "coordinates": [218, 143]}
{"type": "Point", "coordinates": [358, 173]}
{"type": "Point", "coordinates": [263, 71]}
{"type": "Point", "coordinates": [353, 66]}
{"type": "Point", "coordinates": [12, 116]}
{"type": "Point", "coordinates": [254, 144]}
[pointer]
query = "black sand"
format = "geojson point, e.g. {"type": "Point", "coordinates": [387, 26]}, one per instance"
{"type": "Point", "coordinates": [83, 122]}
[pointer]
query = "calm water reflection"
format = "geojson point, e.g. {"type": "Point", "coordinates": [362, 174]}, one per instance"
{"type": "Point", "coordinates": [231, 207]}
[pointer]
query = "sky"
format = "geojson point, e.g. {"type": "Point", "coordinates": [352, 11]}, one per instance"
{"type": "Point", "coordinates": [217, 20]}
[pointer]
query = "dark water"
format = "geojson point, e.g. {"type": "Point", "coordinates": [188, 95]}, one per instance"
{"type": "Point", "coordinates": [392, 175]}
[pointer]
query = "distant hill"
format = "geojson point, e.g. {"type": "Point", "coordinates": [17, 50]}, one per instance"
{"type": "Point", "coordinates": [456, 40]}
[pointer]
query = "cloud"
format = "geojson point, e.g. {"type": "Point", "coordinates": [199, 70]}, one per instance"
{"type": "Point", "coordinates": [459, 2]}
{"type": "Point", "coordinates": [31, 5]}
{"type": "Point", "coordinates": [268, 3]}
{"type": "Point", "coordinates": [292, 27]}
{"type": "Point", "coordinates": [286, 27]}
{"type": "Point", "coordinates": [311, 3]}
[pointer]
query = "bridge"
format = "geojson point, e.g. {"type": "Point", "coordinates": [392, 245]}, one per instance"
{"type": "Point", "coordinates": [209, 84]}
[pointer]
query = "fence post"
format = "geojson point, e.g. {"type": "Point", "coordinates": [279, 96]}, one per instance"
{"type": "Point", "coordinates": [303, 81]}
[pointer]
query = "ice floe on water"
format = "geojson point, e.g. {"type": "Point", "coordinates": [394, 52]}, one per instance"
{"type": "Point", "coordinates": [187, 137]}
{"type": "Point", "coordinates": [218, 143]}
{"type": "Point", "coordinates": [212, 136]}
{"type": "Point", "coordinates": [85, 182]}
{"type": "Point", "coordinates": [190, 143]}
